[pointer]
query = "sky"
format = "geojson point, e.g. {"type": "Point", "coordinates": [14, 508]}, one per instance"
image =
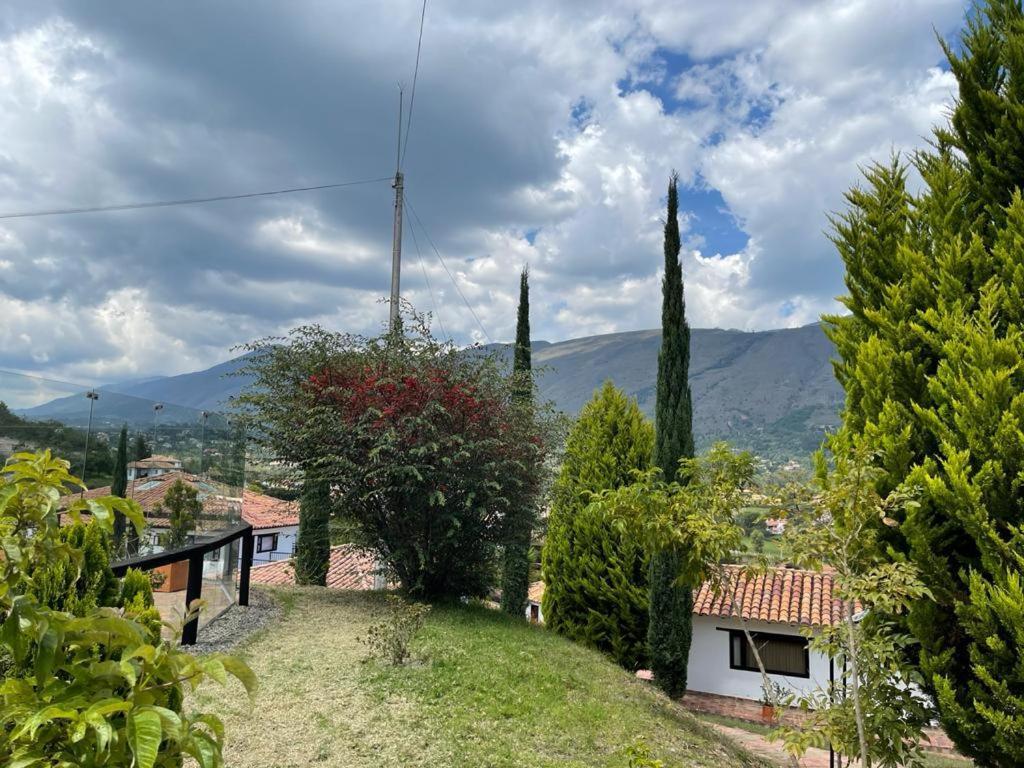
{"type": "Point", "coordinates": [542, 133]}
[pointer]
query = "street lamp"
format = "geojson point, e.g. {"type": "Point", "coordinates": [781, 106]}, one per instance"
{"type": "Point", "coordinates": [157, 407]}
{"type": "Point", "coordinates": [202, 442]}
{"type": "Point", "coordinates": [93, 396]}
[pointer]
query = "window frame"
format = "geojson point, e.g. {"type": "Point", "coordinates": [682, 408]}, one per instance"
{"type": "Point", "coordinates": [259, 542]}
{"type": "Point", "coordinates": [770, 636]}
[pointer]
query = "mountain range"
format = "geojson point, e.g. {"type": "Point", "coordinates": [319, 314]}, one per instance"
{"type": "Point", "coordinates": [772, 392]}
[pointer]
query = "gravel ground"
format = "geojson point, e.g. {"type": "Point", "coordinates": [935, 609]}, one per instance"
{"type": "Point", "coordinates": [237, 623]}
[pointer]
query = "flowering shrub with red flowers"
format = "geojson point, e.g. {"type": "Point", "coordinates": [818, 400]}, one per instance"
{"type": "Point", "coordinates": [426, 450]}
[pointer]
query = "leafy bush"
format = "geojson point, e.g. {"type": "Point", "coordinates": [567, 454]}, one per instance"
{"type": "Point", "coordinates": [77, 586]}
{"type": "Point", "coordinates": [391, 638]}
{"type": "Point", "coordinates": [640, 757]}
{"type": "Point", "coordinates": [137, 601]}
{"type": "Point", "coordinates": [93, 689]}
{"type": "Point", "coordinates": [426, 454]}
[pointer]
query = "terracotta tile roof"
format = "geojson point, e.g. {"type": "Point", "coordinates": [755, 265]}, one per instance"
{"type": "Point", "coordinates": [782, 595]}
{"type": "Point", "coordinates": [350, 568]}
{"type": "Point", "coordinates": [157, 462]}
{"type": "Point", "coordinates": [267, 512]}
{"type": "Point", "coordinates": [217, 498]}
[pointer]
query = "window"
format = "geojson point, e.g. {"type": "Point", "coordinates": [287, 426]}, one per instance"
{"type": "Point", "coordinates": [266, 542]}
{"type": "Point", "coordinates": [781, 654]}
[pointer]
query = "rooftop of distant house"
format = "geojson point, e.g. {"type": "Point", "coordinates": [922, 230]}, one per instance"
{"type": "Point", "coordinates": [780, 595]}
{"type": "Point", "coordinates": [260, 510]}
{"type": "Point", "coordinates": [349, 568]}
{"type": "Point", "coordinates": [157, 462]}
{"type": "Point", "coordinates": [264, 511]}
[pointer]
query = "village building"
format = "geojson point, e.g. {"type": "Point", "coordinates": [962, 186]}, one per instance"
{"type": "Point", "coordinates": [778, 608]}
{"type": "Point", "coordinates": [154, 466]}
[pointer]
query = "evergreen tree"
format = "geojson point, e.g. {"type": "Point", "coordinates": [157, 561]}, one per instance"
{"type": "Point", "coordinates": [119, 485]}
{"type": "Point", "coordinates": [987, 124]}
{"type": "Point", "coordinates": [671, 603]}
{"type": "Point", "coordinates": [595, 572]}
{"type": "Point", "coordinates": [515, 583]}
{"type": "Point", "coordinates": [313, 545]}
{"type": "Point", "coordinates": [932, 361]}
{"type": "Point", "coordinates": [140, 449]}
{"type": "Point", "coordinates": [183, 507]}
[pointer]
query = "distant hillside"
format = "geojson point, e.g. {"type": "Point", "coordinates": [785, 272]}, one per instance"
{"type": "Point", "coordinates": [183, 397]}
{"type": "Point", "coordinates": [772, 392]}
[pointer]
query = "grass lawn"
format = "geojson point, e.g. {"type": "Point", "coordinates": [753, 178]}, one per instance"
{"type": "Point", "coordinates": [487, 691]}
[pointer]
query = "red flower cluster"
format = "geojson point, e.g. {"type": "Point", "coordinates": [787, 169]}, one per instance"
{"type": "Point", "coordinates": [396, 398]}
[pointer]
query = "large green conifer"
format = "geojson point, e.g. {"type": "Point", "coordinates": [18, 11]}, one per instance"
{"type": "Point", "coordinates": [515, 582]}
{"type": "Point", "coordinates": [313, 543]}
{"type": "Point", "coordinates": [671, 603]}
{"type": "Point", "coordinates": [932, 361]}
{"type": "Point", "coordinates": [595, 573]}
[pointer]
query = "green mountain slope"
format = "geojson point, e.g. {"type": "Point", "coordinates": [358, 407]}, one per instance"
{"type": "Point", "coordinates": [772, 392]}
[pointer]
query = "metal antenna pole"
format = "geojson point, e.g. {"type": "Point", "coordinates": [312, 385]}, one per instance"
{"type": "Point", "coordinates": [396, 236]}
{"type": "Point", "coordinates": [93, 396]}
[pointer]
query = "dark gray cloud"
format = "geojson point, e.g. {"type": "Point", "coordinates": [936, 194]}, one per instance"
{"type": "Point", "coordinates": [105, 103]}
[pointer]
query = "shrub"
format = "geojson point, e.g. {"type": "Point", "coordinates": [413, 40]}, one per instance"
{"type": "Point", "coordinates": [426, 454]}
{"type": "Point", "coordinates": [390, 639]}
{"type": "Point", "coordinates": [77, 586]}
{"type": "Point", "coordinates": [137, 601]}
{"type": "Point", "coordinates": [91, 689]}
{"type": "Point", "coordinates": [595, 571]}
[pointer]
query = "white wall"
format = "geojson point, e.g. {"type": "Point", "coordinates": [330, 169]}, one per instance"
{"type": "Point", "coordinates": [709, 670]}
{"type": "Point", "coordinates": [285, 544]}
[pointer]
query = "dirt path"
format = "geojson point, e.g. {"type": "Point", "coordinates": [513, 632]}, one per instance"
{"type": "Point", "coordinates": [770, 750]}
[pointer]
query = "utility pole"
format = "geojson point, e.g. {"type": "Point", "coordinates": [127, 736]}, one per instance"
{"type": "Point", "coordinates": [93, 396]}
{"type": "Point", "coordinates": [396, 236]}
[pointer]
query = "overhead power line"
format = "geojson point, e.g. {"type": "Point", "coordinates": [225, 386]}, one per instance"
{"type": "Point", "coordinates": [185, 201]}
{"type": "Point", "coordinates": [423, 269]}
{"type": "Point", "coordinates": [415, 75]}
{"type": "Point", "coordinates": [451, 277]}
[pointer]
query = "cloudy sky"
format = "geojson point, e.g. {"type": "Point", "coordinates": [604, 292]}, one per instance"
{"type": "Point", "coordinates": [543, 132]}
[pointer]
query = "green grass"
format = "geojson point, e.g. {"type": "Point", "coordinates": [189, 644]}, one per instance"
{"type": "Point", "coordinates": [485, 690]}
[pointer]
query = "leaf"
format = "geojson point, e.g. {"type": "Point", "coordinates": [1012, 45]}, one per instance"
{"type": "Point", "coordinates": [46, 652]}
{"type": "Point", "coordinates": [241, 670]}
{"type": "Point", "coordinates": [144, 734]}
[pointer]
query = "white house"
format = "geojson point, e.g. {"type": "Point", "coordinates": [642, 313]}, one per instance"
{"type": "Point", "coordinates": [275, 526]}
{"type": "Point", "coordinates": [777, 608]}
{"type": "Point", "coordinates": [154, 466]}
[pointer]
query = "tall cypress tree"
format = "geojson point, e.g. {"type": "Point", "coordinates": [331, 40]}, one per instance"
{"type": "Point", "coordinates": [119, 485]}
{"type": "Point", "coordinates": [313, 544]}
{"type": "Point", "coordinates": [670, 626]}
{"type": "Point", "coordinates": [515, 582]}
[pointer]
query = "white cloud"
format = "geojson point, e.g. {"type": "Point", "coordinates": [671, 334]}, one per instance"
{"type": "Point", "coordinates": [541, 134]}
